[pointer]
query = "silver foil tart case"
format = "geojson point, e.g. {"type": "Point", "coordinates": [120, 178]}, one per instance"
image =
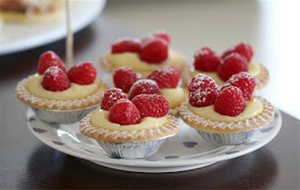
{"type": "Point", "coordinates": [226, 138]}
{"type": "Point", "coordinates": [132, 150]}
{"type": "Point", "coordinates": [62, 116]}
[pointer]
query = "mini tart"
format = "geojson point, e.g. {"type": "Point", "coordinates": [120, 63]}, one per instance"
{"type": "Point", "coordinates": [29, 16]}
{"type": "Point", "coordinates": [133, 61]}
{"type": "Point", "coordinates": [225, 127]}
{"type": "Point", "coordinates": [260, 73]}
{"type": "Point", "coordinates": [65, 100]}
{"type": "Point", "coordinates": [168, 128]}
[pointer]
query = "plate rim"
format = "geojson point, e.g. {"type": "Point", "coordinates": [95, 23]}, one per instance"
{"type": "Point", "coordinates": [171, 162]}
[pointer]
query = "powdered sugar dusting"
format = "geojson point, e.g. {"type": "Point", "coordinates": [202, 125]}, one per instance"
{"type": "Point", "coordinates": [53, 71]}
{"type": "Point", "coordinates": [142, 82]}
{"type": "Point", "coordinates": [202, 81]}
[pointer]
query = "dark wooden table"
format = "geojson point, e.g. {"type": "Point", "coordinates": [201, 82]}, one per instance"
{"type": "Point", "coordinates": [26, 163]}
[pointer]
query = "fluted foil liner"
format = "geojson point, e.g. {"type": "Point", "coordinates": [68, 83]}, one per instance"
{"type": "Point", "coordinates": [131, 150]}
{"type": "Point", "coordinates": [226, 139]}
{"type": "Point", "coordinates": [62, 116]}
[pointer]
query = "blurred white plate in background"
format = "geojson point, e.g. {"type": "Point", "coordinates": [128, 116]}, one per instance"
{"type": "Point", "coordinates": [16, 37]}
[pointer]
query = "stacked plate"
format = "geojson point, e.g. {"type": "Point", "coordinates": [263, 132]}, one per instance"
{"type": "Point", "coordinates": [40, 33]}
{"type": "Point", "coordinates": [185, 151]}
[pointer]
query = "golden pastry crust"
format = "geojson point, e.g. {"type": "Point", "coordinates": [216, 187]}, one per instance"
{"type": "Point", "coordinates": [170, 128]}
{"type": "Point", "coordinates": [261, 79]}
{"type": "Point", "coordinates": [33, 101]}
{"type": "Point", "coordinates": [178, 63]}
{"type": "Point", "coordinates": [204, 124]}
{"type": "Point", "coordinates": [14, 16]}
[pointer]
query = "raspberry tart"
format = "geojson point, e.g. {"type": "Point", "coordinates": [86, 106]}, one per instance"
{"type": "Point", "coordinates": [143, 55]}
{"type": "Point", "coordinates": [164, 81]}
{"type": "Point", "coordinates": [130, 128]}
{"type": "Point", "coordinates": [61, 96]}
{"type": "Point", "coordinates": [30, 10]}
{"type": "Point", "coordinates": [229, 115]}
{"type": "Point", "coordinates": [221, 68]}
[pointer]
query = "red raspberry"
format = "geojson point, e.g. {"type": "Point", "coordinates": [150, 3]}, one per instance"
{"type": "Point", "coordinates": [110, 97]}
{"type": "Point", "coordinates": [55, 79]}
{"type": "Point", "coordinates": [83, 74]}
{"type": "Point", "coordinates": [143, 86]}
{"type": "Point", "coordinates": [244, 81]}
{"type": "Point", "coordinates": [163, 35]}
{"type": "Point", "coordinates": [124, 112]}
{"type": "Point", "coordinates": [167, 77]}
{"type": "Point", "coordinates": [232, 64]}
{"type": "Point", "coordinates": [124, 78]}
{"type": "Point", "coordinates": [126, 45]}
{"type": "Point", "coordinates": [243, 49]}
{"type": "Point", "coordinates": [151, 105]}
{"type": "Point", "coordinates": [154, 50]}
{"type": "Point", "coordinates": [48, 59]}
{"type": "Point", "coordinates": [230, 101]}
{"type": "Point", "coordinates": [202, 81]}
{"type": "Point", "coordinates": [202, 91]}
{"type": "Point", "coordinates": [206, 60]}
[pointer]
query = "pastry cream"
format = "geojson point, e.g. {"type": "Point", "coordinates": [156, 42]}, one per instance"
{"type": "Point", "coordinates": [76, 91]}
{"type": "Point", "coordinates": [253, 108]}
{"type": "Point", "coordinates": [132, 60]}
{"type": "Point", "coordinates": [253, 69]}
{"type": "Point", "coordinates": [174, 96]}
{"type": "Point", "coordinates": [99, 118]}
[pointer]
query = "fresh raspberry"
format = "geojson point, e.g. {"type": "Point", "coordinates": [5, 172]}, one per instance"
{"type": "Point", "coordinates": [48, 59]}
{"type": "Point", "coordinates": [202, 91]}
{"type": "Point", "coordinates": [242, 48]}
{"type": "Point", "coordinates": [126, 45]}
{"type": "Point", "coordinates": [167, 77]}
{"type": "Point", "coordinates": [143, 86]}
{"type": "Point", "coordinates": [163, 35]}
{"type": "Point", "coordinates": [55, 79]}
{"type": "Point", "coordinates": [232, 64]}
{"type": "Point", "coordinates": [154, 50]}
{"type": "Point", "coordinates": [230, 101]}
{"type": "Point", "coordinates": [83, 74]}
{"type": "Point", "coordinates": [110, 97]}
{"type": "Point", "coordinates": [124, 78]}
{"type": "Point", "coordinates": [151, 105]}
{"type": "Point", "coordinates": [244, 81]}
{"type": "Point", "coordinates": [202, 81]}
{"type": "Point", "coordinates": [124, 112]}
{"type": "Point", "coordinates": [206, 60]}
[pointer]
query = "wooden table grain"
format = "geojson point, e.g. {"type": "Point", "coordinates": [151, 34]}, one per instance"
{"type": "Point", "coordinates": [26, 163]}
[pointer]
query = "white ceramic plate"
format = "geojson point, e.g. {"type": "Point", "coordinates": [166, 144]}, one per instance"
{"type": "Point", "coordinates": [16, 37]}
{"type": "Point", "coordinates": [185, 151]}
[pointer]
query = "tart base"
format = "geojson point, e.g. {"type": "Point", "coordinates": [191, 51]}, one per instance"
{"type": "Point", "coordinates": [207, 125]}
{"type": "Point", "coordinates": [170, 128]}
{"type": "Point", "coordinates": [41, 103]}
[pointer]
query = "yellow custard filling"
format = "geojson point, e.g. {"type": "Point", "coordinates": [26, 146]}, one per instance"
{"type": "Point", "coordinates": [132, 60]}
{"type": "Point", "coordinates": [253, 108]}
{"type": "Point", "coordinates": [253, 70]}
{"type": "Point", "coordinates": [76, 91]}
{"type": "Point", "coordinates": [174, 96]}
{"type": "Point", "coordinates": [99, 118]}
